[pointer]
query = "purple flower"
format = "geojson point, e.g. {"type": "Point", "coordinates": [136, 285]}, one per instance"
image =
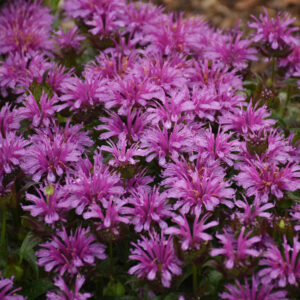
{"type": "Point", "coordinates": [46, 204]}
{"type": "Point", "coordinates": [122, 154]}
{"type": "Point", "coordinates": [108, 214]}
{"type": "Point", "coordinates": [148, 208]}
{"type": "Point", "coordinates": [68, 40]}
{"type": "Point", "coordinates": [197, 185]}
{"type": "Point", "coordinates": [6, 290]}
{"type": "Point", "coordinates": [91, 184]}
{"type": "Point", "coordinates": [133, 128]}
{"type": "Point", "coordinates": [246, 121]}
{"type": "Point", "coordinates": [275, 33]}
{"type": "Point", "coordinates": [262, 179]}
{"type": "Point", "coordinates": [156, 258]}
{"type": "Point", "coordinates": [22, 28]}
{"type": "Point", "coordinates": [281, 267]}
{"type": "Point", "coordinates": [65, 293]}
{"type": "Point", "coordinates": [236, 250]}
{"type": "Point", "coordinates": [164, 143]}
{"type": "Point", "coordinates": [191, 238]}
{"type": "Point", "coordinates": [40, 111]}
{"type": "Point", "coordinates": [54, 151]}
{"type": "Point", "coordinates": [218, 147]}
{"type": "Point", "coordinates": [12, 151]}
{"type": "Point", "coordinates": [253, 291]}
{"type": "Point", "coordinates": [68, 253]}
{"type": "Point", "coordinates": [295, 214]}
{"type": "Point", "coordinates": [9, 119]}
{"type": "Point", "coordinates": [252, 211]}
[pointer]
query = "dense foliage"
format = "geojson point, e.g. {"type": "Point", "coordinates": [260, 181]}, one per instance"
{"type": "Point", "coordinates": [146, 155]}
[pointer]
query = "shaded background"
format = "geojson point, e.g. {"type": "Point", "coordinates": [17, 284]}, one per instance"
{"type": "Point", "coordinates": [226, 13]}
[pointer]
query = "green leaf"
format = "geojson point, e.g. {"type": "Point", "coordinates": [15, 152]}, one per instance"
{"type": "Point", "coordinates": [27, 253]}
{"type": "Point", "coordinates": [49, 190]}
{"type": "Point", "coordinates": [114, 288]}
{"type": "Point", "coordinates": [36, 288]}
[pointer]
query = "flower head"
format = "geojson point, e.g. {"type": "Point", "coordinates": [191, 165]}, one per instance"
{"type": "Point", "coordinates": [6, 290]}
{"type": "Point", "coordinates": [68, 253]}
{"type": "Point", "coordinates": [236, 250]}
{"type": "Point", "coordinates": [156, 258]}
{"type": "Point", "coordinates": [281, 267]}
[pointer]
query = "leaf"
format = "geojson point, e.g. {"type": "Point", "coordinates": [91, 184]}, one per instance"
{"type": "Point", "coordinates": [114, 288]}
{"type": "Point", "coordinates": [27, 253]}
{"type": "Point", "coordinates": [36, 288]}
{"type": "Point", "coordinates": [49, 190]}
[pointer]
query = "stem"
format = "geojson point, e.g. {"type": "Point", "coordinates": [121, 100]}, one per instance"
{"type": "Point", "coordinates": [111, 258]}
{"type": "Point", "coordinates": [273, 69]}
{"type": "Point", "coordinates": [288, 97]}
{"type": "Point", "coordinates": [195, 281]}
{"type": "Point", "coordinates": [3, 228]}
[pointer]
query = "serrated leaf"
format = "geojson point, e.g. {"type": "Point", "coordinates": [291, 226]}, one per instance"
{"type": "Point", "coordinates": [36, 288]}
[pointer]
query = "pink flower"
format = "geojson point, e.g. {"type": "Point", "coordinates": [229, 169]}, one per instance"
{"type": "Point", "coordinates": [281, 268]}
{"type": "Point", "coordinates": [68, 253]}
{"type": "Point", "coordinates": [236, 250]}
{"type": "Point", "coordinates": [156, 258]}
{"type": "Point", "coordinates": [148, 208]}
{"type": "Point", "coordinates": [253, 291]}
{"type": "Point", "coordinates": [191, 238]}
{"type": "Point", "coordinates": [68, 40]}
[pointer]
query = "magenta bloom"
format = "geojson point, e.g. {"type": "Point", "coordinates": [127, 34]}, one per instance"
{"type": "Point", "coordinates": [295, 214]}
{"type": "Point", "coordinates": [12, 151]}
{"type": "Point", "coordinates": [191, 238]}
{"type": "Point", "coordinates": [281, 267]}
{"type": "Point", "coordinates": [108, 214]}
{"type": "Point", "coordinates": [46, 206]}
{"type": "Point", "coordinates": [22, 28]}
{"type": "Point", "coordinates": [40, 111]}
{"type": "Point", "coordinates": [65, 293]}
{"type": "Point", "coordinates": [68, 40]}
{"type": "Point", "coordinates": [122, 154]}
{"type": "Point", "coordinates": [197, 186]}
{"type": "Point", "coordinates": [252, 211]}
{"type": "Point", "coordinates": [6, 290]}
{"type": "Point", "coordinates": [253, 291]}
{"type": "Point", "coordinates": [236, 250]}
{"type": "Point", "coordinates": [54, 152]}
{"type": "Point", "coordinates": [148, 207]}
{"type": "Point", "coordinates": [157, 259]}
{"type": "Point", "coordinates": [133, 128]}
{"type": "Point", "coordinates": [9, 119]}
{"type": "Point", "coordinates": [263, 179]}
{"type": "Point", "coordinates": [275, 33]}
{"type": "Point", "coordinates": [68, 253]}
{"type": "Point", "coordinates": [246, 121]}
{"type": "Point", "coordinates": [91, 184]}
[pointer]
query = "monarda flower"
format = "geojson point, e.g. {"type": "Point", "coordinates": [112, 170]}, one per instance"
{"type": "Point", "coordinates": [196, 186]}
{"type": "Point", "coordinates": [22, 29]}
{"type": "Point", "coordinates": [237, 250]}
{"type": "Point", "coordinates": [122, 154]}
{"type": "Point", "coordinates": [40, 111]}
{"type": "Point", "coordinates": [281, 265]}
{"type": "Point", "coordinates": [68, 253]}
{"type": "Point", "coordinates": [133, 127]}
{"type": "Point", "coordinates": [54, 151]}
{"type": "Point", "coordinates": [263, 179]}
{"type": "Point", "coordinates": [274, 33]}
{"type": "Point", "coordinates": [148, 208]}
{"type": "Point", "coordinates": [253, 291]}
{"type": "Point", "coordinates": [191, 238]}
{"type": "Point", "coordinates": [66, 293]}
{"type": "Point", "coordinates": [9, 119]}
{"type": "Point", "coordinates": [7, 292]}
{"type": "Point", "coordinates": [108, 214]}
{"type": "Point", "coordinates": [12, 151]}
{"type": "Point", "coordinates": [295, 214]}
{"type": "Point", "coordinates": [69, 40]}
{"type": "Point", "coordinates": [157, 259]}
{"type": "Point", "coordinates": [248, 120]}
{"type": "Point", "coordinates": [46, 204]}
{"type": "Point", "coordinates": [92, 183]}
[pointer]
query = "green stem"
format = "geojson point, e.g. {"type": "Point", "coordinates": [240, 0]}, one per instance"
{"type": "Point", "coordinates": [195, 281]}
{"type": "Point", "coordinates": [3, 228]}
{"type": "Point", "coordinates": [288, 97]}
{"type": "Point", "coordinates": [273, 69]}
{"type": "Point", "coordinates": [111, 258]}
